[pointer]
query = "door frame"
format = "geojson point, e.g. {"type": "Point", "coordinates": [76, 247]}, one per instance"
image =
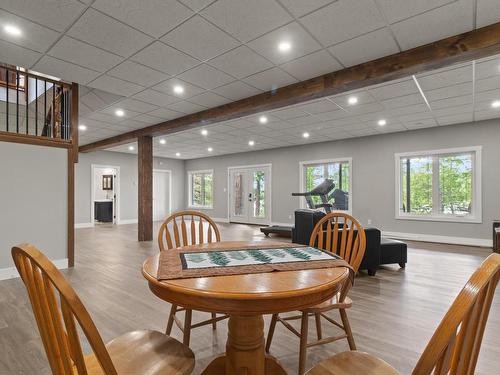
{"type": "Point", "coordinates": [267, 165]}
{"type": "Point", "coordinates": [116, 189]}
{"type": "Point", "coordinates": [169, 172]}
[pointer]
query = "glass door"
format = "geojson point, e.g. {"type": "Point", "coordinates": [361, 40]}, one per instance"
{"type": "Point", "coordinates": [249, 195]}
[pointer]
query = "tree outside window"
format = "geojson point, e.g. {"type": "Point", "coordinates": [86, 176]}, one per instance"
{"type": "Point", "coordinates": [201, 188]}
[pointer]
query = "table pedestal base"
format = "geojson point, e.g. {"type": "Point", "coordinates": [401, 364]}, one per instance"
{"type": "Point", "coordinates": [245, 350]}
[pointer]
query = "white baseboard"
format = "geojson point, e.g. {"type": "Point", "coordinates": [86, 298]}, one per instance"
{"type": "Point", "coordinates": [127, 221]}
{"type": "Point", "coordinates": [11, 272]}
{"type": "Point", "coordinates": [282, 224]}
{"type": "Point", "coordinates": [84, 225]}
{"type": "Point", "coordinates": [439, 239]}
{"type": "Point", "coordinates": [220, 219]}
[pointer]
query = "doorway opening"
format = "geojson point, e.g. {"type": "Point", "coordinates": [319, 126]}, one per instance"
{"type": "Point", "coordinates": [104, 194]}
{"type": "Point", "coordinates": [162, 194]}
{"type": "Point", "coordinates": [249, 198]}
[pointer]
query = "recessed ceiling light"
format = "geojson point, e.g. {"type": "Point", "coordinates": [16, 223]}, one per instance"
{"type": "Point", "coordinates": [204, 131]}
{"type": "Point", "coordinates": [178, 89]}
{"type": "Point", "coordinates": [305, 135]}
{"type": "Point", "coordinates": [210, 149]}
{"type": "Point", "coordinates": [284, 46]}
{"type": "Point", "coordinates": [120, 112]}
{"type": "Point", "coordinates": [251, 143]}
{"type": "Point", "coordinates": [263, 119]}
{"type": "Point", "coordinates": [12, 30]}
{"type": "Point", "coordinates": [131, 148]}
{"type": "Point", "coordinates": [352, 100]}
{"type": "Point", "coordinates": [82, 127]}
{"type": "Point", "coordinates": [382, 122]}
{"type": "Point", "coordinates": [163, 141]}
{"type": "Point", "coordinates": [177, 154]}
{"type": "Point", "coordinates": [496, 104]}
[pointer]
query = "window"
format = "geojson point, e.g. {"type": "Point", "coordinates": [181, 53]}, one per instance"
{"type": "Point", "coordinates": [201, 188]}
{"type": "Point", "coordinates": [439, 185]}
{"type": "Point", "coordinates": [315, 172]}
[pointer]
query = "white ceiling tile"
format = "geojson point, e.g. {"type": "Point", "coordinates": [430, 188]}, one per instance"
{"type": "Point", "coordinates": [449, 91]}
{"type": "Point", "coordinates": [443, 78]}
{"type": "Point", "coordinates": [418, 108]}
{"type": "Point", "coordinates": [236, 90]}
{"type": "Point", "coordinates": [487, 68]}
{"type": "Point", "coordinates": [165, 114]}
{"type": "Point", "coordinates": [449, 111]}
{"type": "Point", "coordinates": [246, 19]}
{"type": "Point", "coordinates": [155, 97]}
{"type": "Point", "coordinates": [147, 119]}
{"type": "Point", "coordinates": [107, 33]}
{"type": "Point", "coordinates": [343, 20]}
{"type": "Point", "coordinates": [186, 107]}
{"type": "Point", "coordinates": [209, 99]}
{"type": "Point", "coordinates": [196, 5]}
{"type": "Point", "coordinates": [300, 7]}
{"type": "Point", "coordinates": [270, 79]}
{"type": "Point", "coordinates": [137, 73]}
{"type": "Point", "coordinates": [34, 37]}
{"type": "Point", "coordinates": [56, 14]}
{"type": "Point", "coordinates": [200, 39]}
{"type": "Point", "coordinates": [128, 114]}
{"type": "Point", "coordinates": [135, 105]}
{"type": "Point", "coordinates": [83, 54]}
{"type": "Point", "coordinates": [403, 101]}
{"type": "Point", "coordinates": [154, 17]}
{"type": "Point", "coordinates": [488, 96]}
{"type": "Point", "coordinates": [448, 20]}
{"type": "Point", "coordinates": [164, 58]}
{"type": "Point", "coordinates": [392, 89]}
{"type": "Point", "coordinates": [397, 10]}
{"type": "Point", "coordinates": [241, 62]}
{"type": "Point", "coordinates": [92, 101]}
{"type": "Point", "coordinates": [289, 113]}
{"type": "Point", "coordinates": [365, 48]}
{"type": "Point", "coordinates": [488, 12]}
{"type": "Point", "coordinates": [312, 65]}
{"type": "Point", "coordinates": [206, 76]}
{"type": "Point", "coordinates": [115, 85]}
{"type": "Point", "coordinates": [67, 71]}
{"type": "Point", "coordinates": [167, 87]}
{"type": "Point", "coordinates": [342, 100]}
{"type": "Point", "coordinates": [420, 124]}
{"type": "Point", "coordinates": [300, 40]}
{"type": "Point", "coordinates": [486, 115]}
{"type": "Point", "coordinates": [17, 55]}
{"type": "Point", "coordinates": [318, 106]}
{"type": "Point", "coordinates": [106, 96]}
{"type": "Point", "coordinates": [487, 84]}
{"type": "Point", "coordinates": [451, 102]}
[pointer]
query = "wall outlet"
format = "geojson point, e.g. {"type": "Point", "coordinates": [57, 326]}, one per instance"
{"type": "Point", "coordinates": [369, 221]}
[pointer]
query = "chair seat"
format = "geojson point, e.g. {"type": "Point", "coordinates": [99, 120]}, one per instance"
{"type": "Point", "coordinates": [330, 304]}
{"type": "Point", "coordinates": [145, 353]}
{"type": "Point", "coordinates": [353, 363]}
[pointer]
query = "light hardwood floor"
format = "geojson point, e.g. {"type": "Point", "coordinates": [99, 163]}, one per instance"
{"type": "Point", "coordinates": [393, 316]}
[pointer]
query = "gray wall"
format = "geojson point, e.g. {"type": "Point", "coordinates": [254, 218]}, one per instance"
{"type": "Point", "coordinates": [33, 199]}
{"type": "Point", "coordinates": [373, 175]}
{"type": "Point", "coordinates": [128, 182]}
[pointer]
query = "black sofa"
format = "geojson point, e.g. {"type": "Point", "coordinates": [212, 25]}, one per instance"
{"type": "Point", "coordinates": [379, 250]}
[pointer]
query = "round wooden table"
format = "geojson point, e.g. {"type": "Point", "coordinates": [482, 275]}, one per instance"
{"type": "Point", "coordinates": [246, 298]}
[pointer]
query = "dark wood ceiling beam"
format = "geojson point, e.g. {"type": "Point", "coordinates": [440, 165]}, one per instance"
{"type": "Point", "coordinates": [468, 46]}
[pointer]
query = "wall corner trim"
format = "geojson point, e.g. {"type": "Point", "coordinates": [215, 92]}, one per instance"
{"type": "Point", "coordinates": [467, 241]}
{"type": "Point", "coordinates": [11, 272]}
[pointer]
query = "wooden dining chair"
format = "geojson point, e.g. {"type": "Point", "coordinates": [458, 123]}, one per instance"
{"type": "Point", "coordinates": [454, 347]}
{"type": "Point", "coordinates": [195, 228]}
{"type": "Point", "coordinates": [343, 235]}
{"type": "Point", "coordinates": [58, 312]}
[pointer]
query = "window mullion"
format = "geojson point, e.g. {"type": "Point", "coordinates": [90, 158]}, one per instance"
{"type": "Point", "coordinates": [436, 190]}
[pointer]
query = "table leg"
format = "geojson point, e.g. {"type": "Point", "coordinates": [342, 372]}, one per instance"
{"type": "Point", "coordinates": [245, 350]}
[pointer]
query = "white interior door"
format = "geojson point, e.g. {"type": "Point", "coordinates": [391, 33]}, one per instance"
{"type": "Point", "coordinates": [249, 195]}
{"type": "Point", "coordinates": [161, 195]}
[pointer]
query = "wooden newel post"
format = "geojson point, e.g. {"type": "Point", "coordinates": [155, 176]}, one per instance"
{"type": "Point", "coordinates": [145, 189]}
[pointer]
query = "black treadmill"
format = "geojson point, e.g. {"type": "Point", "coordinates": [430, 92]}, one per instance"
{"type": "Point", "coordinates": [322, 190]}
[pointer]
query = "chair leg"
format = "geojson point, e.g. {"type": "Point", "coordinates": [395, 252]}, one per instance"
{"type": "Point", "coordinates": [304, 327]}
{"type": "Point", "coordinates": [270, 334]}
{"type": "Point", "coordinates": [214, 324]}
{"type": "Point", "coordinates": [187, 327]}
{"type": "Point", "coordinates": [170, 321]}
{"type": "Point", "coordinates": [317, 316]}
{"type": "Point", "coordinates": [347, 328]}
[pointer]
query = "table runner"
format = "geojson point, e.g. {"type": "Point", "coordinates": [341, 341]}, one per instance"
{"type": "Point", "coordinates": [190, 263]}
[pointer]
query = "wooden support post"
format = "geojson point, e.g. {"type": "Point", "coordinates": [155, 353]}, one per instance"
{"type": "Point", "coordinates": [74, 120]}
{"type": "Point", "coordinates": [145, 172]}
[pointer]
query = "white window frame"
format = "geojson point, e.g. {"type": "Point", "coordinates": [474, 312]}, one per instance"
{"type": "Point", "coordinates": [190, 189]}
{"type": "Point", "coordinates": [302, 166]}
{"type": "Point", "coordinates": [476, 214]}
